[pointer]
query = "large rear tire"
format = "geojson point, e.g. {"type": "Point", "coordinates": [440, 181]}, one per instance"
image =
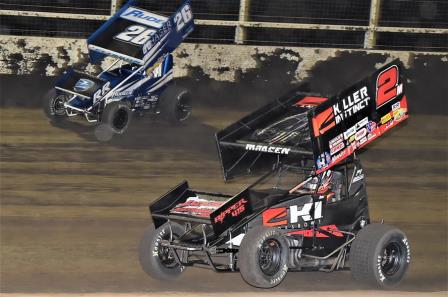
{"type": "Point", "coordinates": [157, 261]}
{"type": "Point", "coordinates": [379, 255]}
{"type": "Point", "coordinates": [263, 257]}
{"type": "Point", "coordinates": [53, 105]}
{"type": "Point", "coordinates": [117, 116]}
{"type": "Point", "coordinates": [175, 104]}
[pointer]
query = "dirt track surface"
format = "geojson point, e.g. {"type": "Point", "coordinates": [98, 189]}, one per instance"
{"type": "Point", "coordinates": [73, 209]}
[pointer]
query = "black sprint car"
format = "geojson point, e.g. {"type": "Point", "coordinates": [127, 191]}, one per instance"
{"type": "Point", "coordinates": [307, 211]}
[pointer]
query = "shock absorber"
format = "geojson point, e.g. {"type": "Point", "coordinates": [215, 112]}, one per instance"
{"type": "Point", "coordinates": [295, 250]}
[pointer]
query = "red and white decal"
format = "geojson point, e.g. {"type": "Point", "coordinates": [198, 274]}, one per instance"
{"type": "Point", "coordinates": [197, 207]}
{"type": "Point", "coordinates": [278, 216]}
{"type": "Point", "coordinates": [335, 149]}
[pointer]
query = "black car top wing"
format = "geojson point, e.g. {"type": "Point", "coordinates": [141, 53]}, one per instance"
{"type": "Point", "coordinates": [274, 132]}
{"type": "Point", "coordinates": [358, 115]}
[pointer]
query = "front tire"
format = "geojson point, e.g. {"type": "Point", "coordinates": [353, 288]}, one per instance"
{"type": "Point", "coordinates": [380, 255]}
{"type": "Point", "coordinates": [53, 105]}
{"type": "Point", "coordinates": [175, 104]}
{"type": "Point", "coordinates": [117, 116]}
{"type": "Point", "coordinates": [157, 261]}
{"type": "Point", "coordinates": [263, 257]}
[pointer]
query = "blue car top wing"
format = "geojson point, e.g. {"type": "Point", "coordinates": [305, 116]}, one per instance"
{"type": "Point", "coordinates": [139, 36]}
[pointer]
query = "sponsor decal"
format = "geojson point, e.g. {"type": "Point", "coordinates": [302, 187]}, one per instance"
{"type": "Point", "coordinates": [268, 149]}
{"type": "Point", "coordinates": [386, 118]}
{"type": "Point", "coordinates": [371, 126]}
{"type": "Point", "coordinates": [143, 17]}
{"type": "Point", "coordinates": [156, 37]}
{"type": "Point", "coordinates": [351, 105]}
{"type": "Point", "coordinates": [121, 94]}
{"type": "Point", "coordinates": [155, 71]}
{"type": "Point", "coordinates": [378, 266]}
{"type": "Point", "coordinates": [359, 175]}
{"type": "Point", "coordinates": [294, 214]}
{"type": "Point", "coordinates": [197, 207]}
{"type": "Point", "coordinates": [362, 123]}
{"type": "Point", "coordinates": [336, 140]}
{"type": "Point", "coordinates": [234, 210]}
{"type": "Point", "coordinates": [83, 85]}
{"type": "Point", "coordinates": [408, 250]}
{"type": "Point", "coordinates": [337, 148]}
{"type": "Point", "coordinates": [323, 122]}
{"type": "Point", "coordinates": [362, 141]}
{"type": "Point", "coordinates": [396, 105]}
{"type": "Point", "coordinates": [341, 155]}
{"type": "Point", "coordinates": [351, 131]}
{"type": "Point", "coordinates": [323, 160]}
{"type": "Point", "coordinates": [351, 139]}
{"type": "Point", "coordinates": [340, 111]}
{"type": "Point", "coordinates": [399, 113]}
{"type": "Point", "coordinates": [361, 134]}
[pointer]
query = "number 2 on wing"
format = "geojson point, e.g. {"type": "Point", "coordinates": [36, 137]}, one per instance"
{"type": "Point", "coordinates": [387, 87]}
{"type": "Point", "coordinates": [183, 17]}
{"type": "Point", "coordinates": [135, 34]}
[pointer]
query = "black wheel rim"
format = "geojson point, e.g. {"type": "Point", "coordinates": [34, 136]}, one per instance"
{"type": "Point", "coordinates": [58, 105]}
{"type": "Point", "coordinates": [391, 258]}
{"type": "Point", "coordinates": [183, 109]}
{"type": "Point", "coordinates": [120, 119]}
{"type": "Point", "coordinates": [166, 256]}
{"type": "Point", "coordinates": [270, 255]}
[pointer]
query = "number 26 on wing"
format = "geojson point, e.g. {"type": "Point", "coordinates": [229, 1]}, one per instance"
{"type": "Point", "coordinates": [183, 17]}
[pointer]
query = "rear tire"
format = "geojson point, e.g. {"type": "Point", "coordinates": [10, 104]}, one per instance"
{"type": "Point", "coordinates": [155, 260]}
{"type": "Point", "coordinates": [117, 116]}
{"type": "Point", "coordinates": [53, 106]}
{"type": "Point", "coordinates": [175, 104]}
{"type": "Point", "coordinates": [263, 257]}
{"type": "Point", "coordinates": [380, 255]}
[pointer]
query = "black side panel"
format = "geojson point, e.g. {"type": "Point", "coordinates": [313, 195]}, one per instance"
{"type": "Point", "coordinates": [358, 115]}
{"type": "Point", "coordinates": [231, 212]}
{"type": "Point", "coordinates": [167, 201]}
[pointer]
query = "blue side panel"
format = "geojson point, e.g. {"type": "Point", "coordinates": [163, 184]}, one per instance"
{"type": "Point", "coordinates": [167, 64]}
{"type": "Point", "coordinates": [170, 35]}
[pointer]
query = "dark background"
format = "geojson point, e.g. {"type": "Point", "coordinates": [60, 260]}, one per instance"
{"type": "Point", "coordinates": [394, 13]}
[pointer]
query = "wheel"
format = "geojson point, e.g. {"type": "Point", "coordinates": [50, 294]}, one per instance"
{"type": "Point", "coordinates": [380, 255]}
{"type": "Point", "coordinates": [117, 115]}
{"type": "Point", "coordinates": [175, 104]}
{"type": "Point", "coordinates": [53, 105]}
{"type": "Point", "coordinates": [263, 257]}
{"type": "Point", "coordinates": [157, 261]}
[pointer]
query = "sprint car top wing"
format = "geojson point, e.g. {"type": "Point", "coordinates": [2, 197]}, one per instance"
{"type": "Point", "coordinates": [139, 36]}
{"type": "Point", "coordinates": [276, 131]}
{"type": "Point", "coordinates": [301, 128]}
{"type": "Point", "coordinates": [358, 115]}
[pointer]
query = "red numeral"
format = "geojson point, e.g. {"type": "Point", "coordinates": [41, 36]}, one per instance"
{"type": "Point", "coordinates": [386, 85]}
